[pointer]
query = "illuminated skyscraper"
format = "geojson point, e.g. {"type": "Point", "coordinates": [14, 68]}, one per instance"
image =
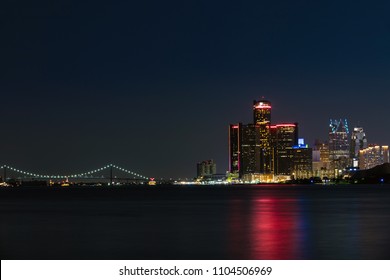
{"type": "Point", "coordinates": [358, 142]}
{"type": "Point", "coordinates": [262, 112]}
{"type": "Point", "coordinates": [234, 148]}
{"type": "Point", "coordinates": [338, 145]}
{"type": "Point", "coordinates": [301, 161]}
{"type": "Point", "coordinates": [262, 118]}
{"type": "Point", "coordinates": [321, 163]}
{"type": "Point", "coordinates": [259, 149]}
{"type": "Point", "coordinates": [283, 136]}
{"type": "Point", "coordinates": [250, 149]}
{"type": "Point", "coordinates": [244, 149]}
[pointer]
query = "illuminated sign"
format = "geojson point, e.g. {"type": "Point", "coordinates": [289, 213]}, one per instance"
{"type": "Point", "coordinates": [304, 146]}
{"type": "Point", "coordinates": [262, 105]}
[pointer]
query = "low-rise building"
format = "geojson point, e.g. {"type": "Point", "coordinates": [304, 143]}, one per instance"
{"type": "Point", "coordinates": [372, 156]}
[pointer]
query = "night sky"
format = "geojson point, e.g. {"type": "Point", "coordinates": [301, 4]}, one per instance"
{"type": "Point", "coordinates": [153, 85]}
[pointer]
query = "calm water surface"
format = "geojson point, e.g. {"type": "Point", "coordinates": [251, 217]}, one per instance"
{"type": "Point", "coordinates": [241, 222]}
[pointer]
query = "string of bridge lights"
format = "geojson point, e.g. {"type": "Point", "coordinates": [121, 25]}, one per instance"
{"type": "Point", "coordinates": [79, 175]}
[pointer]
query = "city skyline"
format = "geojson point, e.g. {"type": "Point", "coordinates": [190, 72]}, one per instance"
{"type": "Point", "coordinates": [283, 134]}
{"type": "Point", "coordinates": [264, 151]}
{"type": "Point", "coordinates": [152, 87]}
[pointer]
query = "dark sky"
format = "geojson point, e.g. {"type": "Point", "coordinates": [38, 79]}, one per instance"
{"type": "Point", "coordinates": [153, 85]}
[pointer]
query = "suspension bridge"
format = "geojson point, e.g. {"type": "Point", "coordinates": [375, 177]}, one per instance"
{"type": "Point", "coordinates": [93, 174]}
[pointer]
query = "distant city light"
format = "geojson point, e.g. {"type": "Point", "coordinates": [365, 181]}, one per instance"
{"type": "Point", "coordinates": [72, 175]}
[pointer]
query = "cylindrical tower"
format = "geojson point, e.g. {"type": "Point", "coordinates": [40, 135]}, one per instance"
{"type": "Point", "coordinates": [261, 112]}
{"type": "Point", "coordinates": [262, 120]}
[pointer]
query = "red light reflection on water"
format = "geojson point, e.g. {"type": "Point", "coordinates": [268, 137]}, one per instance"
{"type": "Point", "coordinates": [265, 228]}
{"type": "Point", "coordinates": [275, 230]}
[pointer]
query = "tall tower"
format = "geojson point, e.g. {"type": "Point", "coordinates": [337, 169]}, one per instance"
{"type": "Point", "coordinates": [235, 140]}
{"type": "Point", "coordinates": [250, 150]}
{"type": "Point", "coordinates": [262, 120]}
{"type": "Point", "coordinates": [244, 149]}
{"type": "Point", "coordinates": [358, 142]}
{"type": "Point", "coordinates": [261, 112]}
{"type": "Point", "coordinates": [283, 136]}
{"type": "Point", "coordinates": [338, 145]}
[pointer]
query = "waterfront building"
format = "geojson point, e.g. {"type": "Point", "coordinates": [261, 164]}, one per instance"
{"type": "Point", "coordinates": [283, 136]}
{"type": "Point", "coordinates": [262, 120]}
{"type": "Point", "coordinates": [301, 159]}
{"type": "Point", "coordinates": [258, 151]}
{"type": "Point", "coordinates": [317, 164]}
{"type": "Point", "coordinates": [372, 156]}
{"type": "Point", "coordinates": [358, 142]}
{"type": "Point", "coordinates": [234, 148]}
{"type": "Point", "coordinates": [250, 149]}
{"type": "Point", "coordinates": [206, 168]}
{"type": "Point", "coordinates": [321, 162]}
{"type": "Point", "coordinates": [244, 149]}
{"type": "Point", "coordinates": [339, 149]}
{"type": "Point", "coordinates": [255, 178]}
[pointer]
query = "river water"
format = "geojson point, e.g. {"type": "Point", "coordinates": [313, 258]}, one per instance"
{"type": "Point", "coordinates": [193, 222]}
